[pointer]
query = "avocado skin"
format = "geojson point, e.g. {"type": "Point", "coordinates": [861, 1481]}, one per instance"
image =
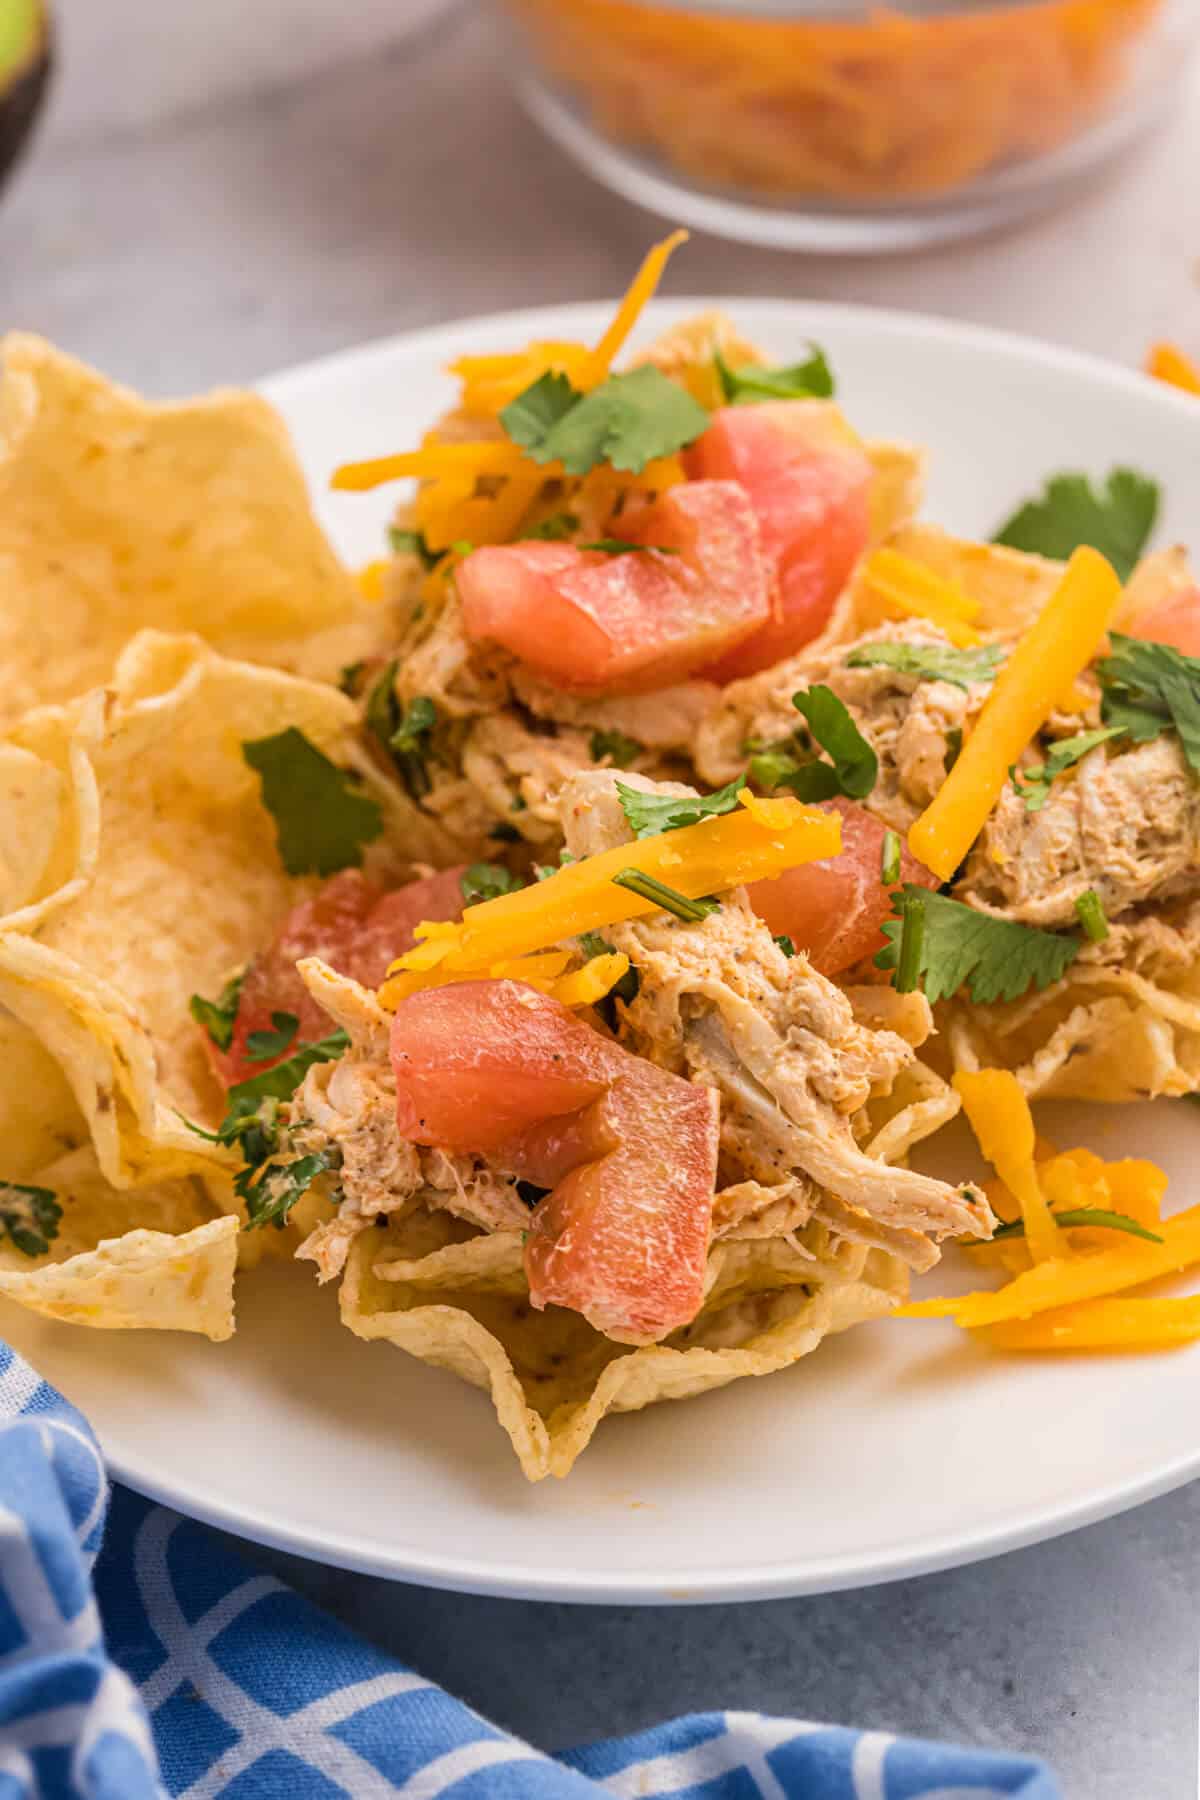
{"type": "Point", "coordinates": [20, 102]}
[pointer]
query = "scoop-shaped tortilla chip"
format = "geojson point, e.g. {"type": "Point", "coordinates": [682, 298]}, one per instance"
{"type": "Point", "coordinates": [459, 1300]}
{"type": "Point", "coordinates": [144, 1280]}
{"type": "Point", "coordinates": [1122, 1024]}
{"type": "Point", "coordinates": [168, 879]}
{"type": "Point", "coordinates": [116, 513]}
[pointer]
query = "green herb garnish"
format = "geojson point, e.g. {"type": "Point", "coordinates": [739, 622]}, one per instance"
{"type": "Point", "coordinates": [1091, 916]}
{"type": "Point", "coordinates": [785, 944]}
{"type": "Point", "coordinates": [272, 1189]}
{"type": "Point", "coordinates": [612, 546]}
{"type": "Point", "coordinates": [486, 881]}
{"type": "Point", "coordinates": [931, 662]}
{"type": "Point", "coordinates": [412, 543]}
{"type": "Point", "coordinates": [647, 815]}
{"type": "Point", "coordinates": [1033, 784]}
{"type": "Point", "coordinates": [29, 1217]}
{"type": "Point", "coordinates": [995, 959]}
{"type": "Point", "coordinates": [1149, 688]}
{"type": "Point", "coordinates": [889, 859]}
{"type": "Point", "coordinates": [1116, 519]}
{"type": "Point", "coordinates": [811, 380]}
{"type": "Point", "coordinates": [855, 765]}
{"type": "Point", "coordinates": [627, 421]}
{"type": "Point", "coordinates": [555, 530]}
{"type": "Point", "coordinates": [322, 820]}
{"type": "Point", "coordinates": [263, 1046]}
{"type": "Point", "coordinates": [217, 1017]}
{"type": "Point", "coordinates": [350, 677]}
{"type": "Point", "coordinates": [1080, 1215]}
{"type": "Point", "coordinates": [667, 897]}
{"type": "Point", "coordinates": [619, 749]}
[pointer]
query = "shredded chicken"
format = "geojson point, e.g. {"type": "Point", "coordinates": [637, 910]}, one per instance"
{"type": "Point", "coordinates": [349, 1107]}
{"type": "Point", "coordinates": [666, 720]}
{"type": "Point", "coordinates": [907, 721]}
{"type": "Point", "coordinates": [518, 772]}
{"type": "Point", "coordinates": [720, 1002]}
{"type": "Point", "coordinates": [1125, 824]}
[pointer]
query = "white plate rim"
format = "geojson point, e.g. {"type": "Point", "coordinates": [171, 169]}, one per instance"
{"type": "Point", "coordinates": [681, 1586]}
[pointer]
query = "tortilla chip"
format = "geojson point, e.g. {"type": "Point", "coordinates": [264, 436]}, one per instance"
{"type": "Point", "coordinates": [459, 1300]}
{"type": "Point", "coordinates": [175, 883]}
{"type": "Point", "coordinates": [1122, 1024]}
{"type": "Point", "coordinates": [193, 516]}
{"type": "Point", "coordinates": [1010, 585]}
{"type": "Point", "coordinates": [144, 1280]}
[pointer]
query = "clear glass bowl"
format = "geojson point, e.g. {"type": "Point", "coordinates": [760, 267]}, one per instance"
{"type": "Point", "coordinates": [844, 127]}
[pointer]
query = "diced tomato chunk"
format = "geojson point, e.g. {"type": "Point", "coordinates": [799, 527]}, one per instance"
{"type": "Point", "coordinates": [1174, 621]}
{"type": "Point", "coordinates": [833, 910]}
{"type": "Point", "coordinates": [810, 487]}
{"type": "Point", "coordinates": [628, 1151]}
{"type": "Point", "coordinates": [354, 926]}
{"type": "Point", "coordinates": [597, 623]}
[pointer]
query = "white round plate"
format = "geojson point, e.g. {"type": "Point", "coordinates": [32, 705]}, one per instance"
{"type": "Point", "coordinates": [896, 1449]}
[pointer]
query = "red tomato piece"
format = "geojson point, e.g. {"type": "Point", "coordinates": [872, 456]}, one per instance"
{"type": "Point", "coordinates": [810, 489]}
{"type": "Point", "coordinates": [354, 926]}
{"type": "Point", "coordinates": [628, 1151]}
{"type": "Point", "coordinates": [1174, 621]}
{"type": "Point", "coordinates": [629, 623]}
{"type": "Point", "coordinates": [833, 910]}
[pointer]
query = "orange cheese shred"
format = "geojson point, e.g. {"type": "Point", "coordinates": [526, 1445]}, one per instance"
{"type": "Point", "coordinates": [1102, 1325]}
{"type": "Point", "coordinates": [913, 591]}
{"type": "Point", "coordinates": [1166, 362]}
{"type": "Point", "coordinates": [641, 290]}
{"type": "Point", "coordinates": [1002, 1122]}
{"type": "Point", "coordinates": [1054, 651]}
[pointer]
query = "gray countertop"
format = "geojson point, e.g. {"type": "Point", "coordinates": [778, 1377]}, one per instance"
{"type": "Point", "coordinates": [226, 190]}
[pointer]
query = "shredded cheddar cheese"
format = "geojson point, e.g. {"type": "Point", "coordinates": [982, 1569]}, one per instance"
{"type": "Point", "coordinates": [1102, 1325]}
{"type": "Point", "coordinates": [1001, 1120]}
{"type": "Point", "coordinates": [1054, 651]}
{"type": "Point", "coordinates": [1168, 363]}
{"type": "Point", "coordinates": [481, 491]}
{"type": "Point", "coordinates": [707, 858]}
{"type": "Point", "coordinates": [877, 104]}
{"type": "Point", "coordinates": [911, 590]}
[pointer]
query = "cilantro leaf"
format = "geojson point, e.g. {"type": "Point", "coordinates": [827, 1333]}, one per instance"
{"type": "Point", "coordinates": [554, 530]}
{"type": "Point", "coordinates": [801, 381]}
{"type": "Point", "coordinates": [402, 734]}
{"type": "Point", "coordinates": [412, 543]}
{"type": "Point", "coordinates": [281, 1082]}
{"type": "Point", "coordinates": [1116, 519]}
{"type": "Point", "coordinates": [217, 1017]}
{"type": "Point", "coordinates": [779, 765]}
{"type": "Point", "coordinates": [321, 819]}
{"type": "Point", "coordinates": [627, 421]}
{"type": "Point", "coordinates": [855, 764]}
{"type": "Point", "coordinates": [272, 1189]}
{"type": "Point", "coordinates": [535, 412]}
{"type": "Point", "coordinates": [786, 945]}
{"type": "Point", "coordinates": [1149, 687]}
{"type": "Point", "coordinates": [649, 814]}
{"type": "Point", "coordinates": [623, 547]}
{"type": "Point", "coordinates": [1033, 784]}
{"type": "Point", "coordinates": [931, 662]}
{"type": "Point", "coordinates": [620, 750]}
{"type": "Point", "coordinates": [29, 1217]}
{"type": "Point", "coordinates": [485, 881]}
{"type": "Point", "coordinates": [349, 678]}
{"type": "Point", "coordinates": [263, 1046]}
{"type": "Point", "coordinates": [995, 959]}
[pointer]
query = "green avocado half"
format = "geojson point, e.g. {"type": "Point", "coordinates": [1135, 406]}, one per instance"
{"type": "Point", "coordinates": [25, 58]}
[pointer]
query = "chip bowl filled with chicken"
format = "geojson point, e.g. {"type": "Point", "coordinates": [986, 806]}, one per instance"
{"type": "Point", "coordinates": [561, 934]}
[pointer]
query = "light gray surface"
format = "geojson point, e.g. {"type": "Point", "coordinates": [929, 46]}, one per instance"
{"type": "Point", "coordinates": [301, 177]}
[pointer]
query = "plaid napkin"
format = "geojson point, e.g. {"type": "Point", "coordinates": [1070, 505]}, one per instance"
{"type": "Point", "coordinates": [161, 1664]}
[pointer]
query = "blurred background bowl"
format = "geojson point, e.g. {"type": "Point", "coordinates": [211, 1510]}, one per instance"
{"type": "Point", "coordinates": [841, 126]}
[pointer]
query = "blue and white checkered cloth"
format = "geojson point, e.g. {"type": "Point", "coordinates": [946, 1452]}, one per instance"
{"type": "Point", "coordinates": [160, 1664]}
